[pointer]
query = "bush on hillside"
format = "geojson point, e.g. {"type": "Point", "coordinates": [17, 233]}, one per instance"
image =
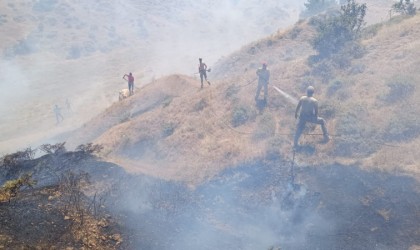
{"type": "Point", "coordinates": [335, 30]}
{"type": "Point", "coordinates": [25, 46]}
{"type": "Point", "coordinates": [371, 30]}
{"type": "Point", "coordinates": [12, 160]}
{"type": "Point", "coordinates": [89, 148]}
{"type": "Point", "coordinates": [57, 148]}
{"type": "Point", "coordinates": [242, 113]}
{"type": "Point", "coordinates": [11, 188]}
{"type": "Point", "coordinates": [400, 87]}
{"type": "Point", "coordinates": [73, 200]}
{"type": "Point", "coordinates": [323, 69]}
{"type": "Point", "coordinates": [168, 128]}
{"type": "Point", "coordinates": [334, 86]}
{"type": "Point", "coordinates": [167, 101]}
{"type": "Point", "coordinates": [403, 126]}
{"type": "Point", "coordinates": [294, 33]}
{"type": "Point", "coordinates": [405, 7]}
{"type": "Point", "coordinates": [231, 91]}
{"type": "Point", "coordinates": [338, 88]}
{"type": "Point", "coordinates": [327, 110]}
{"type": "Point", "coordinates": [314, 7]}
{"type": "Point", "coordinates": [239, 116]}
{"type": "Point", "coordinates": [199, 106]}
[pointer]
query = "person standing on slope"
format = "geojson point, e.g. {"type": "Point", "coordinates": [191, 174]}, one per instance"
{"type": "Point", "coordinates": [202, 69]}
{"type": "Point", "coordinates": [263, 79]}
{"type": "Point", "coordinates": [58, 116]}
{"type": "Point", "coordinates": [130, 79]}
{"type": "Point", "coordinates": [308, 107]}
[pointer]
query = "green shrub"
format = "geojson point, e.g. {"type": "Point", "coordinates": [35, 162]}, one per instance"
{"type": "Point", "coordinates": [339, 88]}
{"type": "Point", "coordinates": [403, 126]}
{"type": "Point", "coordinates": [89, 148]}
{"type": "Point", "coordinates": [323, 69]}
{"type": "Point", "coordinates": [294, 33]}
{"type": "Point", "coordinates": [199, 106]}
{"type": "Point", "coordinates": [14, 159]}
{"type": "Point", "coordinates": [57, 148]}
{"type": "Point", "coordinates": [405, 7]}
{"type": "Point", "coordinates": [400, 88]}
{"type": "Point", "coordinates": [167, 101]}
{"type": "Point", "coordinates": [327, 110]}
{"type": "Point", "coordinates": [335, 30]}
{"type": "Point", "coordinates": [231, 91]}
{"type": "Point", "coordinates": [334, 86]}
{"type": "Point", "coordinates": [168, 129]}
{"type": "Point", "coordinates": [342, 59]}
{"type": "Point", "coordinates": [371, 30]}
{"type": "Point", "coordinates": [314, 7]}
{"type": "Point", "coordinates": [11, 188]}
{"type": "Point", "coordinates": [239, 116]}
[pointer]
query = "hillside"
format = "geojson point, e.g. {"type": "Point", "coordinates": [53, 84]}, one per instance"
{"type": "Point", "coordinates": [52, 51]}
{"type": "Point", "coordinates": [176, 166]}
{"type": "Point", "coordinates": [172, 129]}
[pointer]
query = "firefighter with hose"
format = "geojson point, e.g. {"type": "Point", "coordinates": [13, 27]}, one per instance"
{"type": "Point", "coordinates": [263, 80]}
{"type": "Point", "coordinates": [308, 107]}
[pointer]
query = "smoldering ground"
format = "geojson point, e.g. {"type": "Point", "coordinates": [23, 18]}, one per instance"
{"type": "Point", "coordinates": [255, 206]}
{"type": "Point", "coordinates": [252, 206]}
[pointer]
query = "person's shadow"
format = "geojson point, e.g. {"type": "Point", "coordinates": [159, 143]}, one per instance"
{"type": "Point", "coordinates": [306, 149]}
{"type": "Point", "coordinates": [261, 104]}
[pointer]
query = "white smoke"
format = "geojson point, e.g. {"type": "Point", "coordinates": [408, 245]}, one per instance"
{"type": "Point", "coordinates": [79, 50]}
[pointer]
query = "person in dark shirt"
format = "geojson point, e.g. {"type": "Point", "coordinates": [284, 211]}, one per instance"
{"type": "Point", "coordinates": [202, 69]}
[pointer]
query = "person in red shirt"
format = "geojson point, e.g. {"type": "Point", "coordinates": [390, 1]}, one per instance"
{"type": "Point", "coordinates": [130, 79]}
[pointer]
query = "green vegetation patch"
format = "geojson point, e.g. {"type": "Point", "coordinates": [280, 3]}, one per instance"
{"type": "Point", "coordinates": [403, 126]}
{"type": "Point", "coordinates": [241, 114]}
{"type": "Point", "coordinates": [231, 91]}
{"type": "Point", "coordinates": [400, 88]}
{"type": "Point", "coordinates": [199, 106]}
{"type": "Point", "coordinates": [168, 128]}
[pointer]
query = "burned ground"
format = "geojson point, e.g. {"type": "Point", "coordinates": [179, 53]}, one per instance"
{"type": "Point", "coordinates": [63, 209]}
{"type": "Point", "coordinates": [256, 206]}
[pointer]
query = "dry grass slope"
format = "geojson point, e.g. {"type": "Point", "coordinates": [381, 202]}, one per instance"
{"type": "Point", "coordinates": [172, 129]}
